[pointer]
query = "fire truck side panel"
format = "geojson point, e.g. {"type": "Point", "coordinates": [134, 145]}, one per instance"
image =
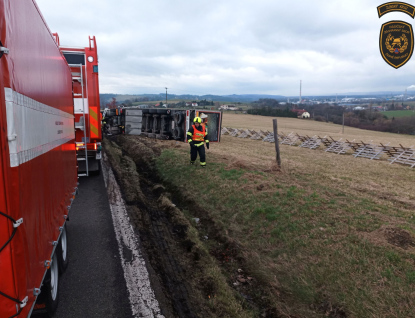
{"type": "Point", "coordinates": [6, 281]}
{"type": "Point", "coordinates": [38, 163]}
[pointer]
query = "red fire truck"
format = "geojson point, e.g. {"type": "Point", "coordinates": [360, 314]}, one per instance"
{"type": "Point", "coordinates": [84, 68]}
{"type": "Point", "coordinates": [38, 157]}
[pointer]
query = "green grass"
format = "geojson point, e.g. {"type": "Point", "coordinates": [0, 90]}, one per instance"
{"type": "Point", "coordinates": [398, 113]}
{"type": "Point", "coordinates": [311, 239]}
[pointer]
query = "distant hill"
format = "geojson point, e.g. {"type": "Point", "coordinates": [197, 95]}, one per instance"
{"type": "Point", "coordinates": [246, 98]}
{"type": "Point", "coordinates": [242, 98]}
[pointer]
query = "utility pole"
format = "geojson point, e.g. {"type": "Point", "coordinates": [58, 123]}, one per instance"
{"type": "Point", "coordinates": [166, 96]}
{"type": "Point", "coordinates": [301, 82]}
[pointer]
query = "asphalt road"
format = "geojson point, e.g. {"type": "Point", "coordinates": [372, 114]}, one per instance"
{"type": "Point", "coordinates": [94, 284]}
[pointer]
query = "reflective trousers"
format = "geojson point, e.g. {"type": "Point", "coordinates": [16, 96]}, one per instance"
{"type": "Point", "coordinates": [202, 154]}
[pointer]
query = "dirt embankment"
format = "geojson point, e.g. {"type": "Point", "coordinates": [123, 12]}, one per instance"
{"type": "Point", "coordinates": [196, 271]}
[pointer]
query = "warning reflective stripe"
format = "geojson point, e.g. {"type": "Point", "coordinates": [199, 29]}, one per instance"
{"type": "Point", "coordinates": [33, 128]}
{"type": "Point", "coordinates": [93, 117]}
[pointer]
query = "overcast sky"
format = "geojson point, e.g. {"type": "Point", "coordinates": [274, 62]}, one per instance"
{"type": "Point", "coordinates": [232, 47]}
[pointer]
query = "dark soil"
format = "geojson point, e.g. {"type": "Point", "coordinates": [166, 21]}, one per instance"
{"type": "Point", "coordinates": [158, 235]}
{"type": "Point", "coordinates": [176, 260]}
{"type": "Point", "coordinates": [399, 237]}
{"type": "Point", "coordinates": [331, 310]}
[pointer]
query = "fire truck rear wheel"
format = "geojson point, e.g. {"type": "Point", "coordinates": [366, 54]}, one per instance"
{"type": "Point", "coordinates": [51, 287]}
{"type": "Point", "coordinates": [98, 171]}
{"type": "Point", "coordinates": [62, 251]}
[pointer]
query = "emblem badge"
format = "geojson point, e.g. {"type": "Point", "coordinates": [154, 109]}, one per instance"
{"type": "Point", "coordinates": [396, 42]}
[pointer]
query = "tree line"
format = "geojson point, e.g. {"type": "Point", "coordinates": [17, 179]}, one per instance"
{"type": "Point", "coordinates": [364, 119]}
{"type": "Point", "coordinates": [275, 112]}
{"type": "Point", "coordinates": [270, 107]}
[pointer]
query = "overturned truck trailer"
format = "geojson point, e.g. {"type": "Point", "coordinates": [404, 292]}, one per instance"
{"type": "Point", "coordinates": [164, 123]}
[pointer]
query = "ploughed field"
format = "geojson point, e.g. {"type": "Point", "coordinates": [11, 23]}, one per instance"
{"type": "Point", "coordinates": [326, 236]}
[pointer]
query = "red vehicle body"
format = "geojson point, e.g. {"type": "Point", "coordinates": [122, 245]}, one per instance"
{"type": "Point", "coordinates": [84, 67]}
{"type": "Point", "coordinates": [38, 174]}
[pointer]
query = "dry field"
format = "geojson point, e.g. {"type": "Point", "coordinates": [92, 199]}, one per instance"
{"type": "Point", "coordinates": [311, 128]}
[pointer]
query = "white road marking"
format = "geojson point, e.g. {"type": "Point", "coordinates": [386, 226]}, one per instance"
{"type": "Point", "coordinates": [142, 299]}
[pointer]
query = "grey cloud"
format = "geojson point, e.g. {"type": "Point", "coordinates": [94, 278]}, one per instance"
{"type": "Point", "coordinates": [231, 46]}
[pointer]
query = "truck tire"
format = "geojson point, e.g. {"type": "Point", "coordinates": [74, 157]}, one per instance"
{"type": "Point", "coordinates": [97, 171]}
{"type": "Point", "coordinates": [178, 118]}
{"type": "Point", "coordinates": [62, 251]}
{"type": "Point", "coordinates": [51, 287]}
{"type": "Point", "coordinates": [178, 133]}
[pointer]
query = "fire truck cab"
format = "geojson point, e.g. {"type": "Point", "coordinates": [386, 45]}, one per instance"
{"type": "Point", "coordinates": [84, 67]}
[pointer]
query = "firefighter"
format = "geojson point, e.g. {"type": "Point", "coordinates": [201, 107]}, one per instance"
{"type": "Point", "coordinates": [197, 136]}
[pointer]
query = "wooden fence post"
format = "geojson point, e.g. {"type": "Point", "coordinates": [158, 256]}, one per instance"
{"type": "Point", "coordinates": [277, 145]}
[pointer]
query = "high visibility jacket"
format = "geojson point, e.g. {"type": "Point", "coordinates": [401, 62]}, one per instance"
{"type": "Point", "coordinates": [199, 135]}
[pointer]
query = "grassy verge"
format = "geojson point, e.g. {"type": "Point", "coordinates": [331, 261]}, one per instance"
{"type": "Point", "coordinates": [189, 282]}
{"type": "Point", "coordinates": [319, 241]}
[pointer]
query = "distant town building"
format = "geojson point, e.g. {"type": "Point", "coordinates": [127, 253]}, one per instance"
{"type": "Point", "coordinates": [228, 107]}
{"type": "Point", "coordinates": [299, 111]}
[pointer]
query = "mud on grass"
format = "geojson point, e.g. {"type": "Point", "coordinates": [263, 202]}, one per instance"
{"type": "Point", "coordinates": [283, 243]}
{"type": "Point", "coordinates": [186, 277]}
